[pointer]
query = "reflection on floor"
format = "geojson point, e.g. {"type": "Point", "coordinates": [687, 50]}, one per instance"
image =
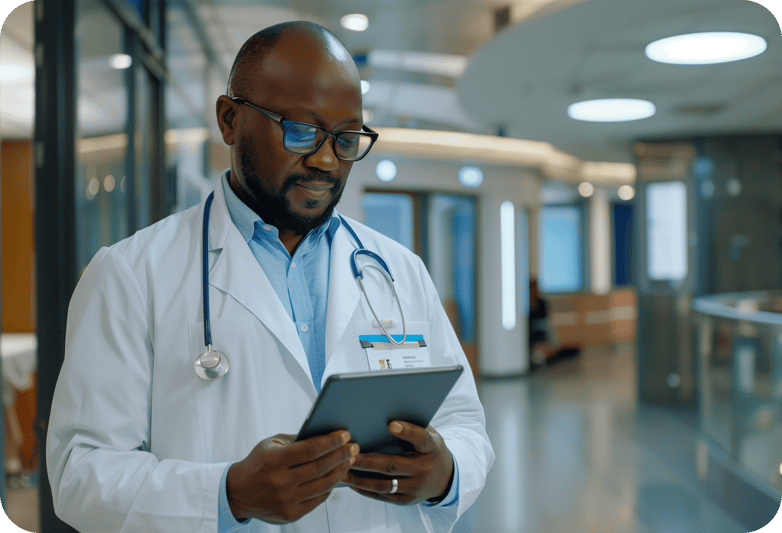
{"type": "Point", "coordinates": [575, 452]}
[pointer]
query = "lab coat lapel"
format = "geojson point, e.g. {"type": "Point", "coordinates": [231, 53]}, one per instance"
{"type": "Point", "coordinates": [343, 291]}
{"type": "Point", "coordinates": [236, 272]}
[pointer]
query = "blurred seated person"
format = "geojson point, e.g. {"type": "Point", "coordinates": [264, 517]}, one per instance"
{"type": "Point", "coordinates": [540, 337]}
{"type": "Point", "coordinates": [544, 346]}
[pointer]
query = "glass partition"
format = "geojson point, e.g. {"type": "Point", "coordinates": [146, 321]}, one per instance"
{"type": "Point", "coordinates": [103, 181]}
{"type": "Point", "coordinates": [739, 348]}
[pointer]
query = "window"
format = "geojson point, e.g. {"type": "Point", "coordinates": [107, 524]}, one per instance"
{"type": "Point", "coordinates": [666, 219]}
{"type": "Point", "coordinates": [560, 240]}
{"type": "Point", "coordinates": [392, 215]}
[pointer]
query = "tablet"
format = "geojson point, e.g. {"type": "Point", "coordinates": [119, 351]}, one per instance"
{"type": "Point", "coordinates": [364, 403]}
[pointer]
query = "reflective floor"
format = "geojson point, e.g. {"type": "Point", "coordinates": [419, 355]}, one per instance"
{"type": "Point", "coordinates": [575, 452]}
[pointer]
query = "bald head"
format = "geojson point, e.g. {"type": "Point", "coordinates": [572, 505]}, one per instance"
{"type": "Point", "coordinates": [314, 38]}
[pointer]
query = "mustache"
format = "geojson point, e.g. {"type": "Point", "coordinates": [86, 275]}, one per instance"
{"type": "Point", "coordinates": [315, 176]}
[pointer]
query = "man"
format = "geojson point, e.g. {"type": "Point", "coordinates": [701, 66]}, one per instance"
{"type": "Point", "coordinates": [138, 443]}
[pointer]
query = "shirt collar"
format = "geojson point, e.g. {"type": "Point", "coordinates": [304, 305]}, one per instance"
{"type": "Point", "coordinates": [245, 219]}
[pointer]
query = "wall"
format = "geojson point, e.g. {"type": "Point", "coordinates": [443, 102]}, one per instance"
{"type": "Point", "coordinates": [500, 352]}
{"type": "Point", "coordinates": [17, 269]}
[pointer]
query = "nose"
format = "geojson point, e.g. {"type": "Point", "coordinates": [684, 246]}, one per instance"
{"type": "Point", "coordinates": [324, 157]}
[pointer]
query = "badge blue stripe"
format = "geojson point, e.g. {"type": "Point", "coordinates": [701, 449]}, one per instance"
{"type": "Point", "coordinates": [383, 338]}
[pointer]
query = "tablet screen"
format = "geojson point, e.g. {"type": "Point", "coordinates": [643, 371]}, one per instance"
{"type": "Point", "coordinates": [365, 403]}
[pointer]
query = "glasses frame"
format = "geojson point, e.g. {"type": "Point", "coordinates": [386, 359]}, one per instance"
{"type": "Point", "coordinates": [373, 135]}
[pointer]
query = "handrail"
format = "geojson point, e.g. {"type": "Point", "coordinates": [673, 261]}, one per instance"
{"type": "Point", "coordinates": [723, 305]}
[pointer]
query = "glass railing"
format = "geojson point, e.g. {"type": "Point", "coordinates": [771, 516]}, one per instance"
{"type": "Point", "coordinates": [739, 350]}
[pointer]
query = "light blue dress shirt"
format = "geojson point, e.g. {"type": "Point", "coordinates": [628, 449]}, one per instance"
{"type": "Point", "coordinates": [302, 283]}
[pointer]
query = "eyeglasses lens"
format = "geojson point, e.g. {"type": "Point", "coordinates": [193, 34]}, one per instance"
{"type": "Point", "coordinates": [303, 138]}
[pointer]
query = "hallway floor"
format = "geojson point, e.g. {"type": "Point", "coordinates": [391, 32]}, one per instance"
{"type": "Point", "coordinates": [575, 452]}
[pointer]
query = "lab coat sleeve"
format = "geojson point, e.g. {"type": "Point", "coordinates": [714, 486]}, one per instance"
{"type": "Point", "coordinates": [102, 476]}
{"type": "Point", "coordinates": [460, 420]}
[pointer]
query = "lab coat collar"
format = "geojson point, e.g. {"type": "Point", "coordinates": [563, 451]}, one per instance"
{"type": "Point", "coordinates": [235, 271]}
{"type": "Point", "coordinates": [343, 292]}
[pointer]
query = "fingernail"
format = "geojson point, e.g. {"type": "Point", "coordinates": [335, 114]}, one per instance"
{"type": "Point", "coordinates": [354, 450]}
{"type": "Point", "coordinates": [345, 437]}
{"type": "Point", "coordinates": [352, 461]}
{"type": "Point", "coordinates": [395, 427]}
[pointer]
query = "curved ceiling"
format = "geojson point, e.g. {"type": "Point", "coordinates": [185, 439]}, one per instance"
{"type": "Point", "coordinates": [523, 80]}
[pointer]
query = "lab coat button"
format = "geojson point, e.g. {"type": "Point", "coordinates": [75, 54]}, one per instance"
{"type": "Point", "coordinates": [336, 496]}
{"type": "Point", "coordinates": [305, 327]}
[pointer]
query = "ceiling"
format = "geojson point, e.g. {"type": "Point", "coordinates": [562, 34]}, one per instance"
{"type": "Point", "coordinates": [518, 80]}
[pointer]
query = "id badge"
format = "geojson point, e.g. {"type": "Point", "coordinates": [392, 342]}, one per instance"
{"type": "Point", "coordinates": [385, 355]}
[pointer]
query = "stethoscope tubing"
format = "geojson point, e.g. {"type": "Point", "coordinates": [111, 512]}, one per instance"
{"type": "Point", "coordinates": [207, 373]}
{"type": "Point", "coordinates": [205, 271]}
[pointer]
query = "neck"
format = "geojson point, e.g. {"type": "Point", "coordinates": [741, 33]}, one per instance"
{"type": "Point", "coordinates": [290, 240]}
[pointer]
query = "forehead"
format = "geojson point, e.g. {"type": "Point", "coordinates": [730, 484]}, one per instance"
{"type": "Point", "coordinates": [302, 71]}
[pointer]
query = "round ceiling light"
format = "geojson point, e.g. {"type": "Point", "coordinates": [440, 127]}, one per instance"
{"type": "Point", "coordinates": [611, 110]}
{"type": "Point", "coordinates": [586, 189]}
{"type": "Point", "coordinates": [626, 192]}
{"type": "Point", "coordinates": [706, 48]}
{"type": "Point", "coordinates": [120, 61]}
{"type": "Point", "coordinates": [385, 170]}
{"type": "Point", "coordinates": [470, 176]}
{"type": "Point", "coordinates": [355, 22]}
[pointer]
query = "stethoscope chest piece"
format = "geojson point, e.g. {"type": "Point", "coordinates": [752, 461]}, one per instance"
{"type": "Point", "coordinates": [211, 365]}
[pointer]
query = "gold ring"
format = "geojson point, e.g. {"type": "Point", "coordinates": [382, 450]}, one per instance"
{"type": "Point", "coordinates": [394, 486]}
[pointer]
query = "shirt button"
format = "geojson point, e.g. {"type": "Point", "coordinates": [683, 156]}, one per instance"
{"type": "Point", "coordinates": [293, 264]}
{"type": "Point", "coordinates": [305, 327]}
{"type": "Point", "coordinates": [336, 496]}
{"type": "Point", "coordinates": [267, 227]}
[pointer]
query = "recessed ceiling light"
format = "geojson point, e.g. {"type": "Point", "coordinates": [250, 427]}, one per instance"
{"type": "Point", "coordinates": [355, 22]}
{"type": "Point", "coordinates": [706, 48]}
{"type": "Point", "coordinates": [364, 86]}
{"type": "Point", "coordinates": [626, 192]}
{"type": "Point", "coordinates": [470, 176]}
{"type": "Point", "coordinates": [120, 61]}
{"type": "Point", "coordinates": [586, 189]}
{"type": "Point", "coordinates": [611, 110]}
{"type": "Point", "coordinates": [385, 170]}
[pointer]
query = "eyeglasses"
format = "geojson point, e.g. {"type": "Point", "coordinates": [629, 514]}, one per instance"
{"type": "Point", "coordinates": [303, 139]}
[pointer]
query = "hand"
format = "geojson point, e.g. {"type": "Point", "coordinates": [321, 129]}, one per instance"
{"type": "Point", "coordinates": [425, 474]}
{"type": "Point", "coordinates": [281, 480]}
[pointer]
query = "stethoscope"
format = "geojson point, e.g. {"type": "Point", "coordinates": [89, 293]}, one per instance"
{"type": "Point", "coordinates": [212, 364]}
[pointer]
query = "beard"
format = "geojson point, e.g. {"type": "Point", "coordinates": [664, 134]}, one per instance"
{"type": "Point", "coordinates": [275, 208]}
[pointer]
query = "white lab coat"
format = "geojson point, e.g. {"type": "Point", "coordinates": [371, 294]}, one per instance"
{"type": "Point", "coordinates": [138, 443]}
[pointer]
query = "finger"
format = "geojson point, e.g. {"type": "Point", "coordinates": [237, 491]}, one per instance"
{"type": "Point", "coordinates": [343, 456]}
{"type": "Point", "coordinates": [391, 465]}
{"type": "Point", "coordinates": [308, 450]}
{"type": "Point", "coordinates": [384, 485]}
{"type": "Point", "coordinates": [325, 484]}
{"type": "Point", "coordinates": [419, 437]}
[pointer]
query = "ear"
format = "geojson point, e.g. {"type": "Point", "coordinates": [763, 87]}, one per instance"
{"type": "Point", "coordinates": [226, 119]}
